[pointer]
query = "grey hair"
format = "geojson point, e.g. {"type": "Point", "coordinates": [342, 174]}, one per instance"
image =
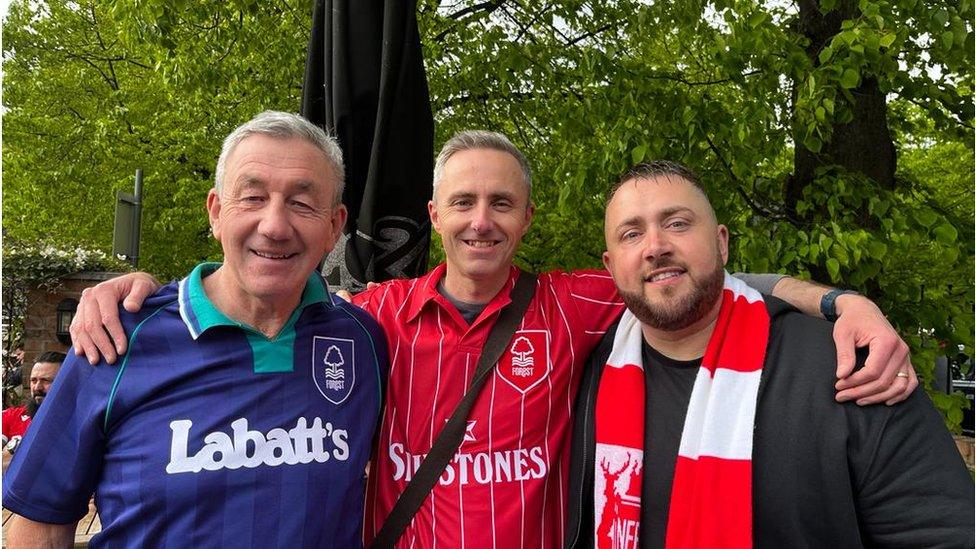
{"type": "Point", "coordinates": [283, 125]}
{"type": "Point", "coordinates": [480, 139]}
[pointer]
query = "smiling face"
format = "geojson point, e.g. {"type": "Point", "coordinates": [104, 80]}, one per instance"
{"type": "Point", "coordinates": [481, 209]}
{"type": "Point", "coordinates": [665, 251]}
{"type": "Point", "coordinates": [275, 219]}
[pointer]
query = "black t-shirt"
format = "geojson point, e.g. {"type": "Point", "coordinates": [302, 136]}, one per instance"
{"type": "Point", "coordinates": [668, 384]}
{"type": "Point", "coordinates": [823, 474]}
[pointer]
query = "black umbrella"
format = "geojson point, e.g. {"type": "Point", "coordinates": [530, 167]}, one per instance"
{"type": "Point", "coordinates": [365, 80]}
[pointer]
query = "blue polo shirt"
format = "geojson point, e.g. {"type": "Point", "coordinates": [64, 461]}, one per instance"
{"type": "Point", "coordinates": [207, 433]}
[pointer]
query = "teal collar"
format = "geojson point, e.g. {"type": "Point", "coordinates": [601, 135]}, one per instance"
{"type": "Point", "coordinates": [199, 313]}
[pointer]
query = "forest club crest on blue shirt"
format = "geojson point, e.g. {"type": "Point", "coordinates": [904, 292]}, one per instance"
{"type": "Point", "coordinates": [334, 367]}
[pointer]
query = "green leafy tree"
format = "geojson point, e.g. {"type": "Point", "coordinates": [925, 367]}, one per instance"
{"type": "Point", "coordinates": [835, 137]}
{"type": "Point", "coordinates": [94, 90]}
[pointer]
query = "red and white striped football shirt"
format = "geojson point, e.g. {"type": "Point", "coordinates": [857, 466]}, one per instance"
{"type": "Point", "coordinates": [506, 486]}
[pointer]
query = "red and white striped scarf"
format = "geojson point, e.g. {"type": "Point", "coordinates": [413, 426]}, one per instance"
{"type": "Point", "coordinates": [711, 497]}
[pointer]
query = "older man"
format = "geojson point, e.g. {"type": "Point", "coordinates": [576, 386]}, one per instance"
{"type": "Point", "coordinates": [243, 413]}
{"type": "Point", "coordinates": [706, 418]}
{"type": "Point", "coordinates": [16, 419]}
{"type": "Point", "coordinates": [506, 485]}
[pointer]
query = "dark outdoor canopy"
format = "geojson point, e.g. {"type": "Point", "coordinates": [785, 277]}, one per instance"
{"type": "Point", "coordinates": [365, 80]}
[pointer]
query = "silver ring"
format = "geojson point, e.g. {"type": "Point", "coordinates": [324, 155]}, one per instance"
{"type": "Point", "coordinates": [902, 374]}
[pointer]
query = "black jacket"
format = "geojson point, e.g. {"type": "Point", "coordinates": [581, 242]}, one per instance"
{"type": "Point", "coordinates": [824, 474]}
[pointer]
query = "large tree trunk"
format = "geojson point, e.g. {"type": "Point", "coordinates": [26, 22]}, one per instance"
{"type": "Point", "coordinates": [864, 144]}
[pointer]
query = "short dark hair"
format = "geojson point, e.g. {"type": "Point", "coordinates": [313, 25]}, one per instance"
{"type": "Point", "coordinates": [51, 356]}
{"type": "Point", "coordinates": [652, 169]}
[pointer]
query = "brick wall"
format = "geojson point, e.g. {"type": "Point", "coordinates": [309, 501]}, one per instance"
{"type": "Point", "coordinates": [40, 326]}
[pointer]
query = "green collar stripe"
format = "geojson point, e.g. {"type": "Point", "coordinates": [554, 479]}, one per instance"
{"type": "Point", "coordinates": [270, 355]}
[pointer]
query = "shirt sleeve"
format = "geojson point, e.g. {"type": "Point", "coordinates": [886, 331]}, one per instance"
{"type": "Point", "coordinates": [913, 488]}
{"type": "Point", "coordinates": [763, 282]}
{"type": "Point", "coordinates": [595, 298]}
{"type": "Point", "coordinates": [6, 425]}
{"type": "Point", "coordinates": [53, 474]}
{"type": "Point", "coordinates": [370, 300]}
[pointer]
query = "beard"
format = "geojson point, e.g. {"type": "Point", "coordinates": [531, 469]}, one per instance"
{"type": "Point", "coordinates": [32, 406]}
{"type": "Point", "coordinates": [672, 313]}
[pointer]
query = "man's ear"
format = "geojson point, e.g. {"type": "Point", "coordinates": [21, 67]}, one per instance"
{"type": "Point", "coordinates": [336, 224]}
{"type": "Point", "coordinates": [723, 243]}
{"type": "Point", "coordinates": [213, 212]}
{"type": "Point", "coordinates": [606, 262]}
{"type": "Point", "coordinates": [529, 213]}
{"type": "Point", "coordinates": [434, 217]}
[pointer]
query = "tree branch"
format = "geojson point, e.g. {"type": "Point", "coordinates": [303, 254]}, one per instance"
{"type": "Point", "coordinates": [487, 7]}
{"type": "Point", "coordinates": [590, 34]}
{"type": "Point", "coordinates": [769, 214]}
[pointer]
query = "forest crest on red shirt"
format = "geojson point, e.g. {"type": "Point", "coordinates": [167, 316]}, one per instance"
{"type": "Point", "coordinates": [526, 362]}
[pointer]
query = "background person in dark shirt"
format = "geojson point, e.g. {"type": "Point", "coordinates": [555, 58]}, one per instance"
{"type": "Point", "coordinates": [821, 474]}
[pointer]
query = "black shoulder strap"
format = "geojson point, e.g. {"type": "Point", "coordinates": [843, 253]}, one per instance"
{"type": "Point", "coordinates": [451, 436]}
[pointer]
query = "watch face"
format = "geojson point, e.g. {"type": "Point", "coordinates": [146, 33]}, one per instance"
{"type": "Point", "coordinates": [828, 304]}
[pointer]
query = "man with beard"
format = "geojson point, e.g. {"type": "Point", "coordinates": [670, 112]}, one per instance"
{"type": "Point", "coordinates": [16, 419]}
{"type": "Point", "coordinates": [724, 397]}
{"type": "Point", "coordinates": [506, 485]}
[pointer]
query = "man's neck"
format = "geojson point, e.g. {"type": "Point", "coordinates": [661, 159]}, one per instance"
{"type": "Point", "coordinates": [473, 291]}
{"type": "Point", "coordinates": [267, 318]}
{"type": "Point", "coordinates": [688, 343]}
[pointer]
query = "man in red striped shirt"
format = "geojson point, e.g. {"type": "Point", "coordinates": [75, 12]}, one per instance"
{"type": "Point", "coordinates": [507, 485]}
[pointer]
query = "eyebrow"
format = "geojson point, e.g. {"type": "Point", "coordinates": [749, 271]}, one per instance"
{"type": "Point", "coordinates": [492, 196]}
{"type": "Point", "coordinates": [668, 212]}
{"type": "Point", "coordinates": [638, 220]}
{"type": "Point", "coordinates": [252, 181]}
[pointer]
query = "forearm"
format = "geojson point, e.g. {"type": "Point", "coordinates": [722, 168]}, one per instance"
{"type": "Point", "coordinates": [28, 533]}
{"type": "Point", "coordinates": [802, 294]}
{"type": "Point", "coordinates": [762, 282]}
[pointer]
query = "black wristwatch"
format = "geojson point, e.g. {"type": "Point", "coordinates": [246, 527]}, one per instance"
{"type": "Point", "coordinates": [828, 303]}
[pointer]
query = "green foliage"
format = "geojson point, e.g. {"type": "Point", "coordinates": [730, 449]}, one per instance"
{"type": "Point", "coordinates": [28, 265]}
{"type": "Point", "coordinates": [585, 88]}
{"type": "Point", "coordinates": [94, 90]}
{"type": "Point", "coordinates": [40, 264]}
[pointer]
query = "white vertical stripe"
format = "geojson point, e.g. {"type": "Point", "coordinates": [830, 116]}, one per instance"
{"type": "Point", "coordinates": [406, 298]}
{"type": "Point", "coordinates": [545, 440]}
{"type": "Point", "coordinates": [437, 388]}
{"type": "Point", "coordinates": [520, 445]}
{"type": "Point", "coordinates": [389, 416]}
{"type": "Point", "coordinates": [467, 363]}
{"type": "Point", "coordinates": [413, 368]}
{"type": "Point", "coordinates": [721, 415]}
{"type": "Point", "coordinates": [549, 399]}
{"type": "Point", "coordinates": [521, 481]}
{"type": "Point", "coordinates": [569, 397]}
{"type": "Point", "coordinates": [491, 483]}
